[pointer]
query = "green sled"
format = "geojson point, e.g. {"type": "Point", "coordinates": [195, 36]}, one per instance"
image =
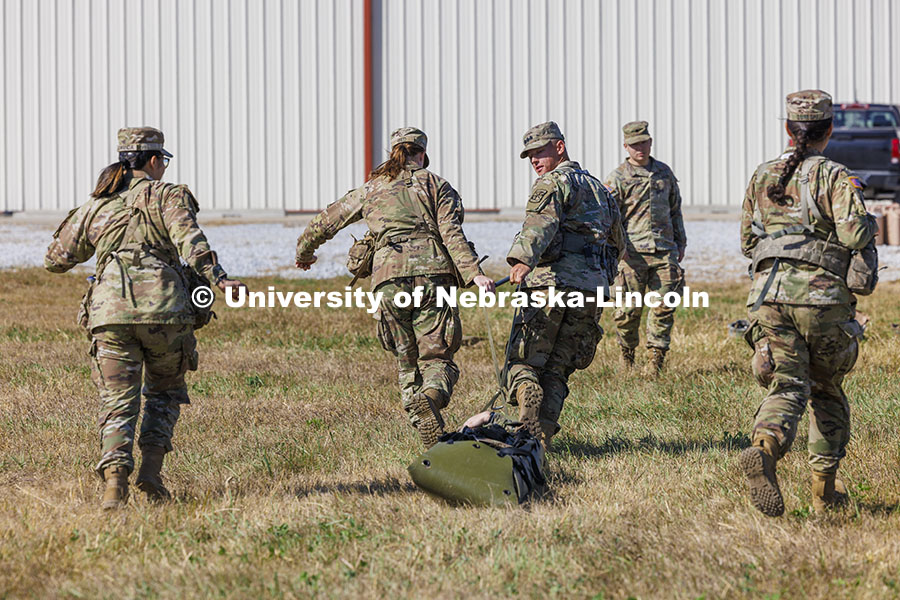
{"type": "Point", "coordinates": [467, 472]}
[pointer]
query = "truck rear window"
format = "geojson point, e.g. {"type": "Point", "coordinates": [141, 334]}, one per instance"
{"type": "Point", "coordinates": [864, 119]}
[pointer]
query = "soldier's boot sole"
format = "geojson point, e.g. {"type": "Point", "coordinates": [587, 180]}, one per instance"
{"type": "Point", "coordinates": [530, 397]}
{"type": "Point", "coordinates": [430, 424]}
{"type": "Point", "coordinates": [115, 495]}
{"type": "Point", "coordinates": [759, 468]}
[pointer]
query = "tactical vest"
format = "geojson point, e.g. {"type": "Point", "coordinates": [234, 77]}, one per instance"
{"type": "Point", "coordinates": [799, 241]}
{"type": "Point", "coordinates": [593, 246]}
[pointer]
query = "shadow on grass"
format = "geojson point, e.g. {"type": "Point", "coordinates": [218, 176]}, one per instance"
{"type": "Point", "coordinates": [878, 509]}
{"type": "Point", "coordinates": [618, 445]}
{"type": "Point", "coordinates": [376, 487]}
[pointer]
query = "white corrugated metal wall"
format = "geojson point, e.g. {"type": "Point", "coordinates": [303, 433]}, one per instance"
{"type": "Point", "coordinates": [262, 100]}
{"type": "Point", "coordinates": [709, 75]}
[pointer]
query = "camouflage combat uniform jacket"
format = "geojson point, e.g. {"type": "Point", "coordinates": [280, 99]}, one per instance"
{"type": "Point", "coordinates": [402, 215]}
{"type": "Point", "coordinates": [650, 203]}
{"type": "Point", "coordinates": [845, 221]}
{"type": "Point", "coordinates": [136, 283]}
{"type": "Point", "coordinates": [567, 212]}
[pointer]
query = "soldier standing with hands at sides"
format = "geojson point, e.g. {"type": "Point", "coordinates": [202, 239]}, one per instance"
{"type": "Point", "coordinates": [570, 240]}
{"type": "Point", "coordinates": [650, 202]}
{"type": "Point", "coordinates": [416, 218]}
{"type": "Point", "coordinates": [802, 216]}
{"type": "Point", "coordinates": [138, 309]}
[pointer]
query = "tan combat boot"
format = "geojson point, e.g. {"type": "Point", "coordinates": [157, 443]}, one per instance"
{"type": "Point", "coordinates": [627, 357]}
{"type": "Point", "coordinates": [116, 493]}
{"type": "Point", "coordinates": [529, 395]}
{"type": "Point", "coordinates": [657, 360]}
{"type": "Point", "coordinates": [828, 492]}
{"type": "Point", "coordinates": [429, 422]}
{"type": "Point", "coordinates": [149, 480]}
{"type": "Point", "coordinates": [758, 463]}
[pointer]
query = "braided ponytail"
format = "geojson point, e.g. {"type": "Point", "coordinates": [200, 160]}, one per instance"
{"type": "Point", "coordinates": [803, 134]}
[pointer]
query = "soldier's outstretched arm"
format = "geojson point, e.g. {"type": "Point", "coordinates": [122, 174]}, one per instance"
{"type": "Point", "coordinates": [70, 245]}
{"type": "Point", "coordinates": [325, 225]}
{"type": "Point", "coordinates": [179, 211]}
{"type": "Point", "coordinates": [450, 217]}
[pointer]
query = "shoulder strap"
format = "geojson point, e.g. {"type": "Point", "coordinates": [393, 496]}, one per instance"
{"type": "Point", "coordinates": [807, 202]}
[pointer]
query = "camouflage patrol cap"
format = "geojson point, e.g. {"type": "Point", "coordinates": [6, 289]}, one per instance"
{"type": "Point", "coordinates": [139, 139]}
{"type": "Point", "coordinates": [636, 132]}
{"type": "Point", "coordinates": [409, 135]}
{"type": "Point", "coordinates": [808, 105]}
{"type": "Point", "coordinates": [539, 136]}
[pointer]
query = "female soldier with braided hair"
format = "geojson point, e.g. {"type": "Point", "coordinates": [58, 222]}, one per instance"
{"type": "Point", "coordinates": [802, 216]}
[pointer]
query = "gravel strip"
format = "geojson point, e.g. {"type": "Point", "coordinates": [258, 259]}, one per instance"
{"type": "Point", "coordinates": [713, 252]}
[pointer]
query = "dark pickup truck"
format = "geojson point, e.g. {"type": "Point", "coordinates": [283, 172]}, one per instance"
{"type": "Point", "coordinates": [865, 139]}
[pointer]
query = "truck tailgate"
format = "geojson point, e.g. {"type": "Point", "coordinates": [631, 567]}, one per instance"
{"type": "Point", "coordinates": [862, 149]}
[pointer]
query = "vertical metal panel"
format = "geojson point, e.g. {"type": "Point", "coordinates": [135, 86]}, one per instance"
{"type": "Point", "coordinates": [261, 100]}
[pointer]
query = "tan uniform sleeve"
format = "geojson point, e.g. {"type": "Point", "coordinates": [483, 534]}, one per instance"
{"type": "Point", "coordinates": [675, 214]}
{"type": "Point", "coordinates": [450, 216]}
{"type": "Point", "coordinates": [542, 217]}
{"type": "Point", "coordinates": [70, 245]}
{"type": "Point", "coordinates": [617, 233]}
{"type": "Point", "coordinates": [748, 238]}
{"type": "Point", "coordinates": [854, 227]}
{"type": "Point", "coordinates": [325, 225]}
{"type": "Point", "coordinates": [179, 211]}
{"type": "Point", "coordinates": [613, 186]}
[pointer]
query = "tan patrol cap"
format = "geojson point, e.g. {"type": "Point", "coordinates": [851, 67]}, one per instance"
{"type": "Point", "coordinates": [808, 105]}
{"type": "Point", "coordinates": [139, 139]}
{"type": "Point", "coordinates": [409, 135]}
{"type": "Point", "coordinates": [539, 136]}
{"type": "Point", "coordinates": [636, 132]}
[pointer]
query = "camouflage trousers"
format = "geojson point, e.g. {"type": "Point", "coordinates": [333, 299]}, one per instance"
{"type": "Point", "coordinates": [548, 344]}
{"type": "Point", "coordinates": [423, 339]}
{"type": "Point", "coordinates": [657, 272]}
{"type": "Point", "coordinates": [811, 348]}
{"type": "Point", "coordinates": [120, 353]}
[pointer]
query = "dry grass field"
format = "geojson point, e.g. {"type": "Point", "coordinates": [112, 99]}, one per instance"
{"type": "Point", "coordinates": [290, 471]}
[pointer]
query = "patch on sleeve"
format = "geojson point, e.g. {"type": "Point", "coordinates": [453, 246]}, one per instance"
{"type": "Point", "coordinates": [856, 182]}
{"type": "Point", "coordinates": [609, 188]}
{"type": "Point", "coordinates": [538, 196]}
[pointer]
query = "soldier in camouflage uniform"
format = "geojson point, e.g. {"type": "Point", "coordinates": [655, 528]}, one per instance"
{"type": "Point", "coordinates": [137, 309]}
{"type": "Point", "coordinates": [416, 218]}
{"type": "Point", "coordinates": [650, 202]}
{"type": "Point", "coordinates": [571, 240]}
{"type": "Point", "coordinates": [802, 215]}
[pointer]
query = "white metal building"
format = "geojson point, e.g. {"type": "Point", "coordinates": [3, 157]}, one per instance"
{"type": "Point", "coordinates": [264, 102]}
